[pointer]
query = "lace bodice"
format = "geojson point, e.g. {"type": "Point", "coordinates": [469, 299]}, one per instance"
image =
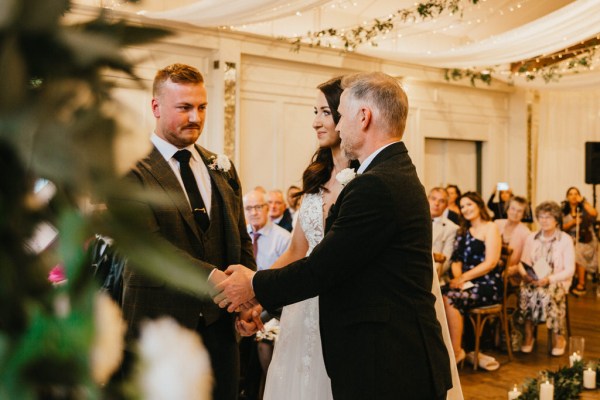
{"type": "Point", "coordinates": [311, 219]}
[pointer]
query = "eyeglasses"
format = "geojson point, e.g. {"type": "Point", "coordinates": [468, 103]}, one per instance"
{"type": "Point", "coordinates": [545, 216]}
{"type": "Point", "coordinates": [255, 208]}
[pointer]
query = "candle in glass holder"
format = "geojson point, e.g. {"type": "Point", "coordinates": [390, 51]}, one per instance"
{"type": "Point", "coordinates": [514, 393]}
{"type": "Point", "coordinates": [576, 347]}
{"type": "Point", "coordinates": [546, 391]}
{"type": "Point", "coordinates": [574, 357]}
{"type": "Point", "coordinates": [589, 378]}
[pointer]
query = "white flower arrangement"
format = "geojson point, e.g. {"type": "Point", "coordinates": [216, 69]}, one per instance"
{"type": "Point", "coordinates": [345, 176]}
{"type": "Point", "coordinates": [175, 364]}
{"type": "Point", "coordinates": [271, 331]}
{"type": "Point", "coordinates": [220, 163]}
{"type": "Point", "coordinates": [109, 338]}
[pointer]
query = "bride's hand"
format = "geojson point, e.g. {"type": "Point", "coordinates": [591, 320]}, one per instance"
{"type": "Point", "coordinates": [248, 322]}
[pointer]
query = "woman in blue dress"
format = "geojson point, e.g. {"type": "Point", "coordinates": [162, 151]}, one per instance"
{"type": "Point", "coordinates": [476, 278]}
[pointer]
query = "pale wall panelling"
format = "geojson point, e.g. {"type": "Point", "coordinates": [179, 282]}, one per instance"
{"type": "Point", "coordinates": [450, 162]}
{"type": "Point", "coordinates": [276, 141]}
{"type": "Point", "coordinates": [257, 146]}
{"type": "Point", "coordinates": [276, 112]}
{"type": "Point", "coordinates": [465, 114]}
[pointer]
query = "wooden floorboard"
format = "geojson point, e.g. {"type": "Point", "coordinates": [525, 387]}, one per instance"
{"type": "Point", "coordinates": [585, 321]}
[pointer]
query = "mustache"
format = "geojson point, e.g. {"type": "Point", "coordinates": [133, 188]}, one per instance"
{"type": "Point", "coordinates": [192, 126]}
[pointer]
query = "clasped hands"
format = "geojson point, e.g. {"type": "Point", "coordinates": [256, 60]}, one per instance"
{"type": "Point", "coordinates": [233, 289]}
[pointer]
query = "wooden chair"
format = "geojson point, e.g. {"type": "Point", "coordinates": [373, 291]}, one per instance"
{"type": "Point", "coordinates": [481, 315]}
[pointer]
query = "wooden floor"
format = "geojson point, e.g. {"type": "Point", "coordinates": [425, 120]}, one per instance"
{"type": "Point", "coordinates": [585, 321]}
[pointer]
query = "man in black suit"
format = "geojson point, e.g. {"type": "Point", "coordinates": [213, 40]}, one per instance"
{"type": "Point", "coordinates": [203, 219]}
{"type": "Point", "coordinates": [373, 269]}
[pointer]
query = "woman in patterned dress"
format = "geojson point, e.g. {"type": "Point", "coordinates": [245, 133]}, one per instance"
{"type": "Point", "coordinates": [476, 278]}
{"type": "Point", "coordinates": [543, 298]}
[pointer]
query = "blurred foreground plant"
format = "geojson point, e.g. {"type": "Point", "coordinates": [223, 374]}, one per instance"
{"type": "Point", "coordinates": [54, 125]}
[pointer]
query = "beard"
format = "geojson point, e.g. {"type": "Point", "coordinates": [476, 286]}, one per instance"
{"type": "Point", "coordinates": [349, 150]}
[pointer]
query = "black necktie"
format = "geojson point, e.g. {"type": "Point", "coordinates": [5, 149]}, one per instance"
{"type": "Point", "coordinates": [191, 188]}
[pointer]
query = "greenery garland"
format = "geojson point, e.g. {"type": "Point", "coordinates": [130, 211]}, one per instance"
{"type": "Point", "coordinates": [368, 32]}
{"type": "Point", "coordinates": [568, 383]}
{"type": "Point", "coordinates": [583, 61]}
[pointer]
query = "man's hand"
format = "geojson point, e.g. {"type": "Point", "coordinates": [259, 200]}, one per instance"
{"type": "Point", "coordinates": [236, 289]}
{"type": "Point", "coordinates": [216, 276]}
{"type": "Point", "coordinates": [248, 322]}
{"type": "Point", "coordinates": [439, 257]}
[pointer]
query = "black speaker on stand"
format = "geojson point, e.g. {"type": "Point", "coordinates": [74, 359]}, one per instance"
{"type": "Point", "coordinates": [592, 165]}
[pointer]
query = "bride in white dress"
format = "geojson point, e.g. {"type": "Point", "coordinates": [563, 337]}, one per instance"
{"type": "Point", "coordinates": [297, 370]}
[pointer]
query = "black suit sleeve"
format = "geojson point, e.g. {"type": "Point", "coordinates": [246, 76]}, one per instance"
{"type": "Point", "coordinates": [362, 229]}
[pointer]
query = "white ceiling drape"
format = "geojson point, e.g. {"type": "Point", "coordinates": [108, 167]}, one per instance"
{"type": "Point", "coordinates": [567, 26]}
{"type": "Point", "coordinates": [213, 13]}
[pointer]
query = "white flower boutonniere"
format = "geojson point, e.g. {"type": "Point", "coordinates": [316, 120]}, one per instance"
{"type": "Point", "coordinates": [220, 163]}
{"type": "Point", "coordinates": [345, 176]}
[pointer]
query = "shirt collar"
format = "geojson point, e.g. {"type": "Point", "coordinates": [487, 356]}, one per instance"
{"type": "Point", "coordinates": [264, 231]}
{"type": "Point", "coordinates": [365, 164]}
{"type": "Point", "coordinates": [168, 150]}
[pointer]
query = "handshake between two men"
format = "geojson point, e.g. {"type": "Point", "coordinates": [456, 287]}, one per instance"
{"type": "Point", "coordinates": [233, 290]}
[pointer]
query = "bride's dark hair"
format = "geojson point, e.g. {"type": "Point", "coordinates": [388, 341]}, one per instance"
{"type": "Point", "coordinates": [319, 170]}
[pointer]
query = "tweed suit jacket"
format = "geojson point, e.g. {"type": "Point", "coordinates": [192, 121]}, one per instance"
{"type": "Point", "coordinates": [373, 274]}
{"type": "Point", "coordinates": [174, 221]}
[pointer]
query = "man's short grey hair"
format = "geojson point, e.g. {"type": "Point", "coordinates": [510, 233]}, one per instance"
{"type": "Point", "coordinates": [440, 190]}
{"type": "Point", "coordinates": [384, 94]}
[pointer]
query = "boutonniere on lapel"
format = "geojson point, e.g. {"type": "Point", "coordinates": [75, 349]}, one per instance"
{"type": "Point", "coordinates": [345, 176]}
{"type": "Point", "coordinates": [220, 162]}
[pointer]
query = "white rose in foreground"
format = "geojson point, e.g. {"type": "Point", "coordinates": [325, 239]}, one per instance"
{"type": "Point", "coordinates": [107, 348]}
{"type": "Point", "coordinates": [174, 362]}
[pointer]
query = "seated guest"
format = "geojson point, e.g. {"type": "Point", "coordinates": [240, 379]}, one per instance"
{"type": "Point", "coordinates": [578, 221]}
{"type": "Point", "coordinates": [278, 211]}
{"type": "Point", "coordinates": [443, 230]}
{"type": "Point", "coordinates": [513, 231]}
{"type": "Point", "coordinates": [499, 207]}
{"type": "Point", "coordinates": [452, 212]}
{"type": "Point", "coordinates": [542, 298]}
{"type": "Point", "coordinates": [294, 201]}
{"type": "Point", "coordinates": [269, 241]}
{"type": "Point", "coordinates": [475, 277]}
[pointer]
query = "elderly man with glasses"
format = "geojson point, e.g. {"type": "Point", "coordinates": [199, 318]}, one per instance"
{"type": "Point", "coordinates": [269, 241]}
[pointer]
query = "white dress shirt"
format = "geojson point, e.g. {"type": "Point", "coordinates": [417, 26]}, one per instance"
{"type": "Point", "coordinates": [168, 150]}
{"type": "Point", "coordinates": [272, 242]}
{"type": "Point", "coordinates": [368, 160]}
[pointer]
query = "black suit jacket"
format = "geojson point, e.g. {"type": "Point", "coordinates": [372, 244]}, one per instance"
{"type": "Point", "coordinates": [173, 220]}
{"type": "Point", "coordinates": [373, 272]}
{"type": "Point", "coordinates": [286, 220]}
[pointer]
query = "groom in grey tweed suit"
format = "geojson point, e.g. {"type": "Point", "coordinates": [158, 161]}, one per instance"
{"type": "Point", "coordinates": [179, 106]}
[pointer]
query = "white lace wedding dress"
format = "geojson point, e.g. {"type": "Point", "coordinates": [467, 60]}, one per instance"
{"type": "Point", "coordinates": [297, 370]}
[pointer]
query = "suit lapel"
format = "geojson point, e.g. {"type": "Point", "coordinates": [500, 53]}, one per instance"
{"type": "Point", "coordinates": [436, 230]}
{"type": "Point", "coordinates": [226, 192]}
{"type": "Point", "coordinates": [161, 170]}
